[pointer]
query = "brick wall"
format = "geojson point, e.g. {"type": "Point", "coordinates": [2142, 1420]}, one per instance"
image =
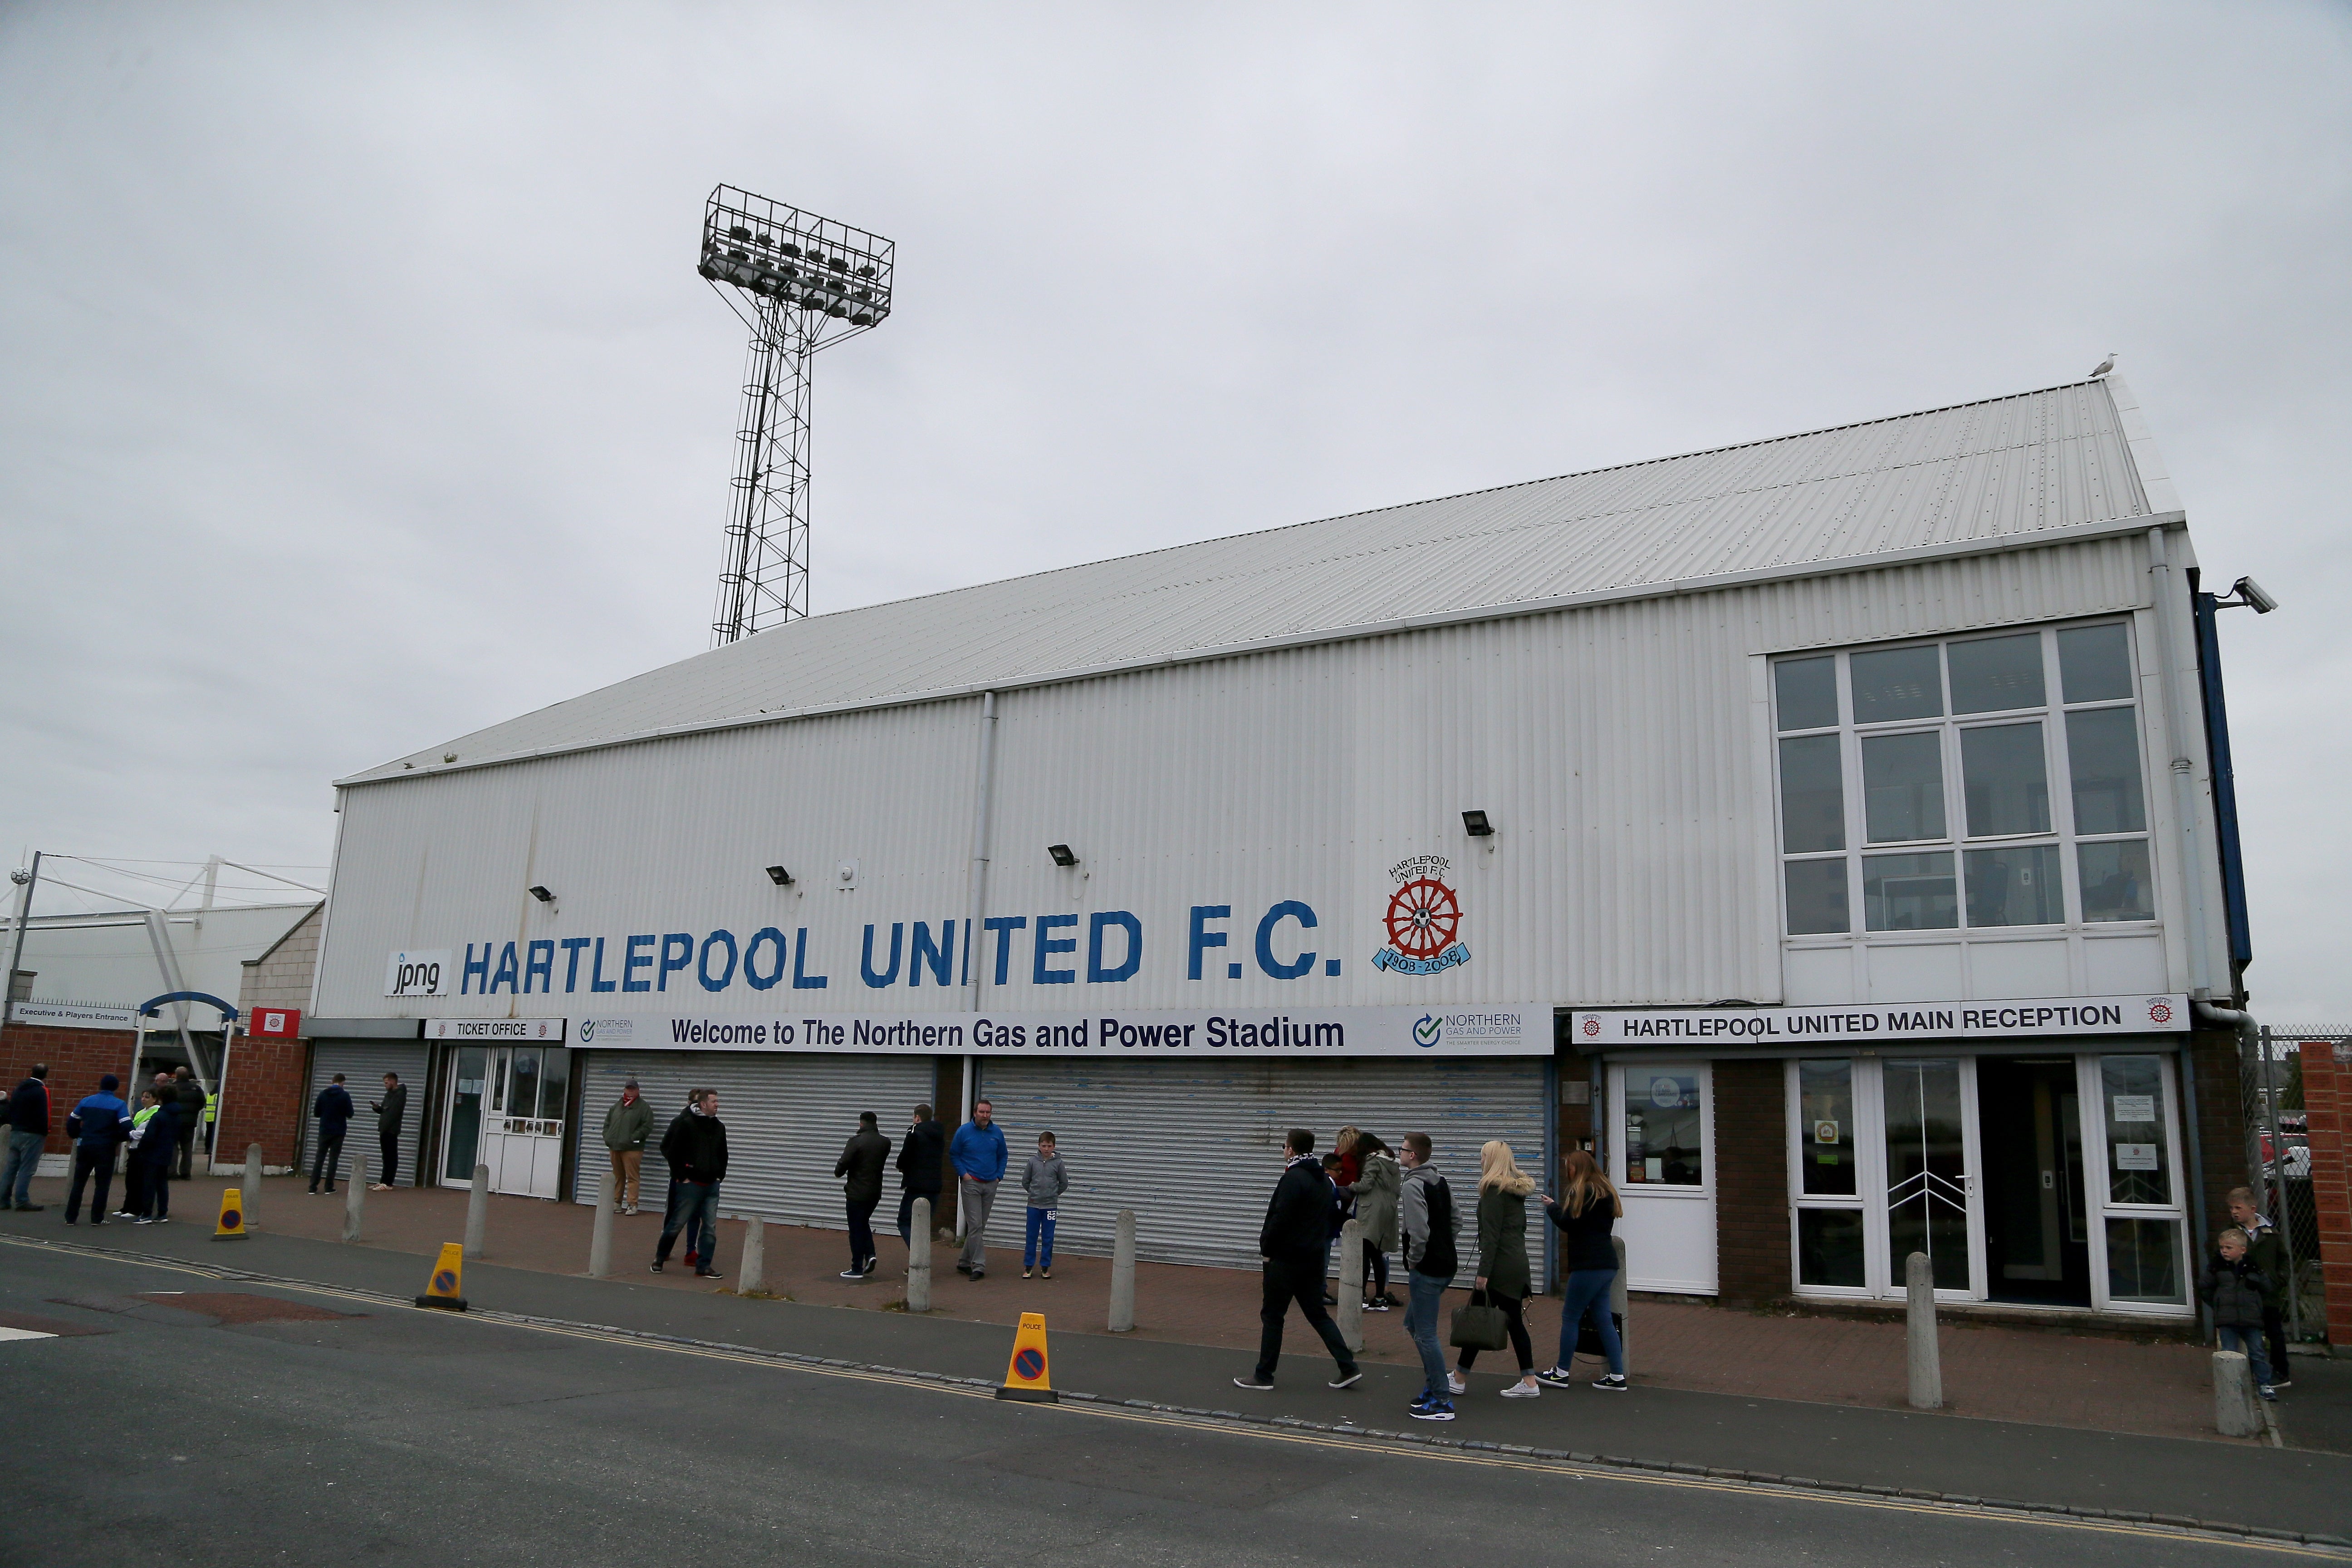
{"type": "Point", "coordinates": [2328, 1096]}
{"type": "Point", "coordinates": [77, 1058]}
{"type": "Point", "coordinates": [268, 1080]}
{"type": "Point", "coordinates": [1752, 1181]}
{"type": "Point", "coordinates": [2221, 1130]}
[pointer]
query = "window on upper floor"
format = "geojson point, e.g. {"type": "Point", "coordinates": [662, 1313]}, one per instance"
{"type": "Point", "coordinates": [1969, 783]}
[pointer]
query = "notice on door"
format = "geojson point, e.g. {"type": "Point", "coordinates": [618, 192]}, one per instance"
{"type": "Point", "coordinates": [2131, 1108]}
{"type": "Point", "coordinates": [2136, 1157]}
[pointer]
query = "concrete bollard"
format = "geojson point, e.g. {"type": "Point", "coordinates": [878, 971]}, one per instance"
{"type": "Point", "coordinates": [252, 1188]}
{"type": "Point", "coordinates": [1617, 1305]}
{"type": "Point", "coordinates": [600, 1237]}
{"type": "Point", "coordinates": [357, 1191]}
{"type": "Point", "coordinates": [2234, 1412]}
{"type": "Point", "coordinates": [919, 1258]}
{"type": "Point", "coordinates": [1925, 1356]}
{"type": "Point", "coordinates": [1122, 1274]}
{"type": "Point", "coordinates": [752, 1273]}
{"type": "Point", "coordinates": [1350, 1285]}
{"type": "Point", "coordinates": [477, 1211]}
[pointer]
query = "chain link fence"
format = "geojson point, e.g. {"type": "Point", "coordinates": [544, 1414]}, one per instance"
{"type": "Point", "coordinates": [2278, 1162]}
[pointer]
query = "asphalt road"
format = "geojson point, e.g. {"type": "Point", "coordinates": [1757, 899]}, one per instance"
{"type": "Point", "coordinates": [150, 1432]}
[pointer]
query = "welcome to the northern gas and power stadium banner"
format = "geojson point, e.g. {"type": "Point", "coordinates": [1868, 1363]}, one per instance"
{"type": "Point", "coordinates": [1522, 1031]}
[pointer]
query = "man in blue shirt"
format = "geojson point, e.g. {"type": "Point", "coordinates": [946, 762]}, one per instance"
{"type": "Point", "coordinates": [978, 1154]}
{"type": "Point", "coordinates": [335, 1110]}
{"type": "Point", "coordinates": [96, 1126]}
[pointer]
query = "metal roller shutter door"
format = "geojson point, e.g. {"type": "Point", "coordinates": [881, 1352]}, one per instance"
{"type": "Point", "coordinates": [363, 1064]}
{"type": "Point", "coordinates": [787, 1116]}
{"type": "Point", "coordinates": [1193, 1147]}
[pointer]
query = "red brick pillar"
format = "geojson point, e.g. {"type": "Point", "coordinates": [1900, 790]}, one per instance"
{"type": "Point", "coordinates": [77, 1059]}
{"type": "Point", "coordinates": [2327, 1097]}
{"type": "Point", "coordinates": [1752, 1181]}
{"type": "Point", "coordinates": [264, 1103]}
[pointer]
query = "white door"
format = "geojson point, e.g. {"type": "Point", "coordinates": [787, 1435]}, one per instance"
{"type": "Point", "coordinates": [522, 1126]}
{"type": "Point", "coordinates": [1662, 1157]}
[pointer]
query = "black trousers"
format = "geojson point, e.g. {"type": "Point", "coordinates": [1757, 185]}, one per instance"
{"type": "Point", "coordinates": [87, 1163]}
{"type": "Point", "coordinates": [861, 1231]}
{"type": "Point", "coordinates": [187, 1151]}
{"type": "Point", "coordinates": [329, 1155]}
{"type": "Point", "coordinates": [2275, 1340]}
{"type": "Point", "coordinates": [1513, 1310]}
{"type": "Point", "coordinates": [907, 1214]}
{"type": "Point", "coordinates": [134, 1187]}
{"type": "Point", "coordinates": [154, 1200]}
{"type": "Point", "coordinates": [1299, 1279]}
{"type": "Point", "coordinates": [390, 1143]}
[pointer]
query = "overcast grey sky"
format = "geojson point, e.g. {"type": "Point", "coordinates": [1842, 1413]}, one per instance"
{"type": "Point", "coordinates": [356, 389]}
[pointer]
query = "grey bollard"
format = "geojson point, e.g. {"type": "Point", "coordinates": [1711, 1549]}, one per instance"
{"type": "Point", "coordinates": [357, 1191]}
{"type": "Point", "coordinates": [1925, 1356]}
{"type": "Point", "coordinates": [752, 1273]}
{"type": "Point", "coordinates": [1350, 1285]}
{"type": "Point", "coordinates": [600, 1238]}
{"type": "Point", "coordinates": [477, 1211]}
{"type": "Point", "coordinates": [2234, 1396]}
{"type": "Point", "coordinates": [1122, 1274]}
{"type": "Point", "coordinates": [1617, 1305]}
{"type": "Point", "coordinates": [252, 1188]}
{"type": "Point", "coordinates": [919, 1258]}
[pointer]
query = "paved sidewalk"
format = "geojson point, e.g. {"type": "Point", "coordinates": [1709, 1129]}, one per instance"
{"type": "Point", "coordinates": [2034, 1375]}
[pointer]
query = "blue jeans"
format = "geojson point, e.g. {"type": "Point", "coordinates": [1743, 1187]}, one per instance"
{"type": "Point", "coordinates": [1037, 1245]}
{"type": "Point", "coordinates": [2249, 1339]}
{"type": "Point", "coordinates": [24, 1159]}
{"type": "Point", "coordinates": [1428, 1293]}
{"type": "Point", "coordinates": [1587, 1289]}
{"type": "Point", "coordinates": [697, 1214]}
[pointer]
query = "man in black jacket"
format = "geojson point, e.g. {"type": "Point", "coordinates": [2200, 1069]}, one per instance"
{"type": "Point", "coordinates": [1295, 1242]}
{"type": "Point", "coordinates": [695, 1148]}
{"type": "Point", "coordinates": [861, 1166]}
{"type": "Point", "coordinates": [189, 1098]}
{"type": "Point", "coordinates": [388, 1113]}
{"type": "Point", "coordinates": [28, 1130]}
{"type": "Point", "coordinates": [335, 1110]}
{"type": "Point", "coordinates": [920, 1154]}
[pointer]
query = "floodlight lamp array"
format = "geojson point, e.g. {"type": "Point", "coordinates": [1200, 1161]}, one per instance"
{"type": "Point", "coordinates": [802, 261]}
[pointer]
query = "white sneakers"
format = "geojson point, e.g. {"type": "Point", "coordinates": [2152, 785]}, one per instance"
{"type": "Point", "coordinates": [1454, 1384]}
{"type": "Point", "coordinates": [1521, 1391]}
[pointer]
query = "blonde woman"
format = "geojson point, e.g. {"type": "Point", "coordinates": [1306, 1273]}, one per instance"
{"type": "Point", "coordinates": [1503, 1190]}
{"type": "Point", "coordinates": [1587, 1211]}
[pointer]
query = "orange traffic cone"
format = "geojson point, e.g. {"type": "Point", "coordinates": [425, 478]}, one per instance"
{"type": "Point", "coordinates": [1028, 1378]}
{"type": "Point", "coordinates": [442, 1290]}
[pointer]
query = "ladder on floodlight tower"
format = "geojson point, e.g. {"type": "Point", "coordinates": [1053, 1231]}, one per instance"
{"type": "Point", "coordinates": [801, 283]}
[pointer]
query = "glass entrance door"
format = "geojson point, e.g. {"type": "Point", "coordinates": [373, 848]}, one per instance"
{"type": "Point", "coordinates": [2037, 1239]}
{"type": "Point", "coordinates": [1928, 1188]}
{"type": "Point", "coordinates": [464, 1115]}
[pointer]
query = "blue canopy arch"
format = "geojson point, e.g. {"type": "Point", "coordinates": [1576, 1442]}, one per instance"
{"type": "Point", "coordinates": [147, 1009]}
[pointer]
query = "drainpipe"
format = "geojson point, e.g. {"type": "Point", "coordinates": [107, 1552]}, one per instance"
{"type": "Point", "coordinates": [981, 810]}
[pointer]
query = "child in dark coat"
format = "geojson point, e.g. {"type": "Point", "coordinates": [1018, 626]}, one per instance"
{"type": "Point", "coordinates": [2234, 1288]}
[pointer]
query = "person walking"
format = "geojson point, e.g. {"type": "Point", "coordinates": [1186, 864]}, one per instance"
{"type": "Point", "coordinates": [1043, 1180]}
{"type": "Point", "coordinates": [979, 1156]}
{"type": "Point", "coordinates": [920, 1154]}
{"type": "Point", "coordinates": [154, 1155]}
{"type": "Point", "coordinates": [96, 1125]}
{"type": "Point", "coordinates": [695, 1148]}
{"type": "Point", "coordinates": [1376, 1189]}
{"type": "Point", "coordinates": [1503, 1190]}
{"type": "Point", "coordinates": [188, 1115]}
{"type": "Point", "coordinates": [860, 1168]}
{"type": "Point", "coordinates": [28, 1132]}
{"type": "Point", "coordinates": [1586, 1212]}
{"type": "Point", "coordinates": [390, 1111]}
{"type": "Point", "coordinates": [1426, 1224]}
{"type": "Point", "coordinates": [1294, 1243]}
{"type": "Point", "coordinates": [2268, 1254]}
{"type": "Point", "coordinates": [335, 1109]}
{"type": "Point", "coordinates": [628, 1122]}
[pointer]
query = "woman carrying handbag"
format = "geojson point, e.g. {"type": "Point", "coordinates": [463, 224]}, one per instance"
{"type": "Point", "coordinates": [1587, 1211]}
{"type": "Point", "coordinates": [1503, 1190]}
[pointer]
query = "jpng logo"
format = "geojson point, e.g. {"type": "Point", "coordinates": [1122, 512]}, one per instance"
{"type": "Point", "coordinates": [1423, 921]}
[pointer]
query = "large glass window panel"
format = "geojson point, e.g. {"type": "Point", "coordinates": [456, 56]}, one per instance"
{"type": "Point", "coordinates": [1813, 795]}
{"type": "Point", "coordinates": [1994, 674]}
{"type": "Point", "coordinates": [1817, 897]}
{"type": "Point", "coordinates": [2094, 663]}
{"type": "Point", "coordinates": [2115, 881]}
{"type": "Point", "coordinates": [1903, 786]}
{"type": "Point", "coordinates": [1829, 1247]}
{"type": "Point", "coordinates": [555, 1083]}
{"type": "Point", "coordinates": [1665, 1136]}
{"type": "Point", "coordinates": [465, 1096]}
{"type": "Point", "coordinates": [2006, 780]}
{"type": "Point", "coordinates": [2015, 885]}
{"type": "Point", "coordinates": [2144, 1260]}
{"type": "Point", "coordinates": [1896, 683]}
{"type": "Point", "coordinates": [1910, 892]}
{"type": "Point", "coordinates": [2139, 1165]}
{"type": "Point", "coordinates": [1926, 1170]}
{"type": "Point", "coordinates": [1825, 1129]}
{"type": "Point", "coordinates": [1805, 692]}
{"type": "Point", "coordinates": [524, 1102]}
{"type": "Point", "coordinates": [2103, 756]}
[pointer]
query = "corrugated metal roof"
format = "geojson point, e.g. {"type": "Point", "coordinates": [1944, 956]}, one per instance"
{"type": "Point", "coordinates": [2007, 467]}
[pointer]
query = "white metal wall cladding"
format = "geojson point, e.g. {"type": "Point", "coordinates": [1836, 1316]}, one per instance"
{"type": "Point", "coordinates": [787, 1118]}
{"type": "Point", "coordinates": [363, 1064]}
{"type": "Point", "coordinates": [1194, 1148]}
{"type": "Point", "coordinates": [1621, 750]}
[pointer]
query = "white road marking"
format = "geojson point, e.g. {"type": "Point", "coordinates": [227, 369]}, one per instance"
{"type": "Point", "coordinates": [9, 1333]}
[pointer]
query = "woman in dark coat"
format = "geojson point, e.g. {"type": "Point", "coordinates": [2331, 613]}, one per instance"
{"type": "Point", "coordinates": [1503, 1190]}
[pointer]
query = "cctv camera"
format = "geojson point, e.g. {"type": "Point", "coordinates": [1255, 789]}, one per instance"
{"type": "Point", "coordinates": [2249, 590]}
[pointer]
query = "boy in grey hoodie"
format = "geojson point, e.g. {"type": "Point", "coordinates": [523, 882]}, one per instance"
{"type": "Point", "coordinates": [1043, 1180]}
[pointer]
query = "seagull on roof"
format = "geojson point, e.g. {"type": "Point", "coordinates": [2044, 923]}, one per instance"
{"type": "Point", "coordinates": [2105, 365]}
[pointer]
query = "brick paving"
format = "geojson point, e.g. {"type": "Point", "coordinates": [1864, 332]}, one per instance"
{"type": "Point", "coordinates": [1991, 1371]}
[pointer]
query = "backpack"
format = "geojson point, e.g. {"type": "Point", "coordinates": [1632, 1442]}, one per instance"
{"type": "Point", "coordinates": [1438, 1259]}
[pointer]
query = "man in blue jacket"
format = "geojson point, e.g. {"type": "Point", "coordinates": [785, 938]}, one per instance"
{"type": "Point", "coordinates": [335, 1109]}
{"type": "Point", "coordinates": [978, 1154]}
{"type": "Point", "coordinates": [96, 1126]}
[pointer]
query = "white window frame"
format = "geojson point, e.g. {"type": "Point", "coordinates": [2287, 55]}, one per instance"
{"type": "Point", "coordinates": [2091, 1094]}
{"type": "Point", "coordinates": [1882, 1279]}
{"type": "Point", "coordinates": [1705, 1190]}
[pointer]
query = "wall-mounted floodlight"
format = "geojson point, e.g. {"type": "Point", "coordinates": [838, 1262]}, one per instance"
{"type": "Point", "coordinates": [2247, 594]}
{"type": "Point", "coordinates": [1475, 825]}
{"type": "Point", "coordinates": [1061, 854]}
{"type": "Point", "coordinates": [543, 895]}
{"type": "Point", "coordinates": [780, 876]}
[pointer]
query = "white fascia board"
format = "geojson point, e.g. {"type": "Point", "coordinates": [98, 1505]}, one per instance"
{"type": "Point", "coordinates": [2074, 533]}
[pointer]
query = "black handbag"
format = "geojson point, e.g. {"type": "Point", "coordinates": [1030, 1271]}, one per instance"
{"type": "Point", "coordinates": [1588, 1338]}
{"type": "Point", "coordinates": [1479, 1325]}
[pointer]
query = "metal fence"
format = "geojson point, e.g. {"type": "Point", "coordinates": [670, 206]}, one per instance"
{"type": "Point", "coordinates": [2278, 1162]}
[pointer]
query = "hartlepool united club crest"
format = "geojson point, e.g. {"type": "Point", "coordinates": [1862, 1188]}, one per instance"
{"type": "Point", "coordinates": [1424, 920]}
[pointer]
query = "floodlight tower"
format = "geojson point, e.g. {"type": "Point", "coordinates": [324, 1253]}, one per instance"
{"type": "Point", "coordinates": [801, 283]}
